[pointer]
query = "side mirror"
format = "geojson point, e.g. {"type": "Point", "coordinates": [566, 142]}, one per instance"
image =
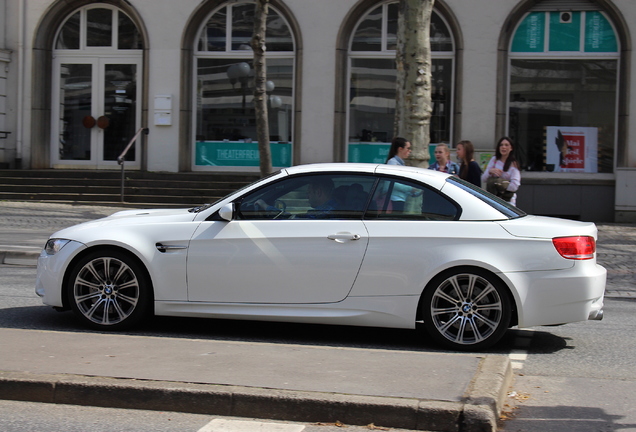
{"type": "Point", "coordinates": [226, 212]}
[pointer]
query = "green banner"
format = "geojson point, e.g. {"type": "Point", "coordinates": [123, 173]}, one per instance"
{"type": "Point", "coordinates": [530, 34]}
{"type": "Point", "coordinates": [240, 154]}
{"type": "Point", "coordinates": [367, 152]}
{"type": "Point", "coordinates": [565, 35]}
{"type": "Point", "coordinates": [599, 34]}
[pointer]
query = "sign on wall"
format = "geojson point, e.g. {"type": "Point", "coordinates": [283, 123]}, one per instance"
{"type": "Point", "coordinates": [572, 149]}
{"type": "Point", "coordinates": [239, 154]}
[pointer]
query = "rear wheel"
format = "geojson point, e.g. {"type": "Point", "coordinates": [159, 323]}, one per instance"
{"type": "Point", "coordinates": [466, 309]}
{"type": "Point", "coordinates": [109, 290]}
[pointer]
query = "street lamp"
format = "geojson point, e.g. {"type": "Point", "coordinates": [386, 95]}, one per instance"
{"type": "Point", "coordinates": [241, 73]}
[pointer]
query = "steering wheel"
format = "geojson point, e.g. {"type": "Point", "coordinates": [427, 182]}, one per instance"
{"type": "Point", "coordinates": [281, 207]}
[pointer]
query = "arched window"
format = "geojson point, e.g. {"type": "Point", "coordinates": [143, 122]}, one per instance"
{"type": "Point", "coordinates": [98, 27]}
{"type": "Point", "coordinates": [225, 129]}
{"type": "Point", "coordinates": [562, 106]}
{"type": "Point", "coordinates": [97, 68]}
{"type": "Point", "coordinates": [372, 75]}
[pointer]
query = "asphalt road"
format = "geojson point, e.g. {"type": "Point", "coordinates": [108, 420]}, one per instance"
{"type": "Point", "coordinates": [578, 377]}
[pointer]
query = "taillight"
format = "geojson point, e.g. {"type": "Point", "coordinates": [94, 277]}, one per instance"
{"type": "Point", "coordinates": [576, 248]}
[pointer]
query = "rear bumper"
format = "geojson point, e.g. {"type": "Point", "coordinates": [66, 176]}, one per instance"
{"type": "Point", "coordinates": [559, 296]}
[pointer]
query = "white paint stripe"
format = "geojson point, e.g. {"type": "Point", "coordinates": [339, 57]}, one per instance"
{"type": "Point", "coordinates": [518, 356]}
{"type": "Point", "coordinates": [224, 425]}
{"type": "Point", "coordinates": [516, 365]}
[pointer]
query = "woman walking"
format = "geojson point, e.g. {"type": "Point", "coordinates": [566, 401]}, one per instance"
{"type": "Point", "coordinates": [502, 175]}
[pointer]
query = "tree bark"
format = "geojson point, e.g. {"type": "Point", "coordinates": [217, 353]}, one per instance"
{"type": "Point", "coordinates": [260, 79]}
{"type": "Point", "coordinates": [413, 104]}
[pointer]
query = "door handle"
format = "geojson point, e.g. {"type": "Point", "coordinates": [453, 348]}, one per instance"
{"type": "Point", "coordinates": [342, 237]}
{"type": "Point", "coordinates": [103, 122]}
{"type": "Point", "coordinates": [89, 122]}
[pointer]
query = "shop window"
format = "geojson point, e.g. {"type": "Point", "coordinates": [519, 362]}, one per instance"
{"type": "Point", "coordinates": [225, 129]}
{"type": "Point", "coordinates": [563, 91]}
{"type": "Point", "coordinates": [372, 76]}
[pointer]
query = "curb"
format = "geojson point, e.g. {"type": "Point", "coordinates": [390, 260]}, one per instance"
{"type": "Point", "coordinates": [19, 258]}
{"type": "Point", "coordinates": [477, 413]}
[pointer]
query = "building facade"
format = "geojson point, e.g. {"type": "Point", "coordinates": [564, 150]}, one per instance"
{"type": "Point", "coordinates": [79, 78]}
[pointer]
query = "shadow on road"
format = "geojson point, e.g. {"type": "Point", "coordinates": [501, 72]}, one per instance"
{"type": "Point", "coordinates": [47, 319]}
{"type": "Point", "coordinates": [562, 418]}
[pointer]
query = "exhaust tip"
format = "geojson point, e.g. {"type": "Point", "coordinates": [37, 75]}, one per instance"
{"type": "Point", "coordinates": [596, 315]}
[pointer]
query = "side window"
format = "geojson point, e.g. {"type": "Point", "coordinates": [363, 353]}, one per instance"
{"type": "Point", "coordinates": [324, 196]}
{"type": "Point", "coordinates": [403, 200]}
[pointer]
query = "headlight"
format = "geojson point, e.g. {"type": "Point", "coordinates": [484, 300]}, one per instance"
{"type": "Point", "coordinates": [53, 246]}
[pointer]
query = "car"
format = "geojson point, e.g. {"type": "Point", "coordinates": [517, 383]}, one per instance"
{"type": "Point", "coordinates": [345, 244]}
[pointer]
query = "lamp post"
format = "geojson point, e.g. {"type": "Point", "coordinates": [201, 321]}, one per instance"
{"type": "Point", "coordinates": [240, 72]}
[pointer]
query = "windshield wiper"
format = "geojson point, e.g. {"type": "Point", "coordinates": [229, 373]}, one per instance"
{"type": "Point", "coordinates": [199, 209]}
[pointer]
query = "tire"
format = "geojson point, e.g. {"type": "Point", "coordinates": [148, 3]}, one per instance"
{"type": "Point", "coordinates": [466, 309]}
{"type": "Point", "coordinates": [109, 290]}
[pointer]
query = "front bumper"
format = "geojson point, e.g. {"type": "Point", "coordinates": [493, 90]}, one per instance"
{"type": "Point", "coordinates": [50, 274]}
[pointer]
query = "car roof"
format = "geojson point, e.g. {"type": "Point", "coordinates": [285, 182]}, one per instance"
{"type": "Point", "coordinates": [434, 178]}
{"type": "Point", "coordinates": [324, 167]}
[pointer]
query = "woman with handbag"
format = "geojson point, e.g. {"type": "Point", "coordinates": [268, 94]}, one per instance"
{"type": "Point", "coordinates": [502, 176]}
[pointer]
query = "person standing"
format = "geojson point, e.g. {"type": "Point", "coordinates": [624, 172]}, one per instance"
{"type": "Point", "coordinates": [400, 150]}
{"type": "Point", "coordinates": [469, 170]}
{"type": "Point", "coordinates": [442, 160]}
{"type": "Point", "coordinates": [503, 166]}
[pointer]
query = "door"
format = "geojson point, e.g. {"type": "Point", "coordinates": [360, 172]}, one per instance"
{"type": "Point", "coordinates": [95, 111]}
{"type": "Point", "coordinates": [275, 261]}
{"type": "Point", "coordinates": [297, 240]}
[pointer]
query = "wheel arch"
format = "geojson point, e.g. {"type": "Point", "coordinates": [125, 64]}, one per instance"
{"type": "Point", "coordinates": [71, 265]}
{"type": "Point", "coordinates": [514, 317]}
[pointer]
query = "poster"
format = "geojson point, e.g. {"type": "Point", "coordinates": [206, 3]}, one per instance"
{"type": "Point", "coordinates": [572, 149]}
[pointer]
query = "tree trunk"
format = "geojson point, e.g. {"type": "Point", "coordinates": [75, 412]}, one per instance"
{"type": "Point", "coordinates": [260, 79]}
{"type": "Point", "coordinates": [413, 105]}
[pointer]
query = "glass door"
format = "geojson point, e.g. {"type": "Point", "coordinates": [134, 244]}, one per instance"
{"type": "Point", "coordinates": [95, 111]}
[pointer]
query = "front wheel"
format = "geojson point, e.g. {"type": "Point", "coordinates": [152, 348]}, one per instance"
{"type": "Point", "coordinates": [466, 309]}
{"type": "Point", "coordinates": [109, 290]}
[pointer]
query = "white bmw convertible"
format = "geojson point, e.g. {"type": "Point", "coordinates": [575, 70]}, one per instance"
{"type": "Point", "coordinates": [345, 244]}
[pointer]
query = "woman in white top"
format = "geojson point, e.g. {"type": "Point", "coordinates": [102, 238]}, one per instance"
{"type": "Point", "coordinates": [504, 165]}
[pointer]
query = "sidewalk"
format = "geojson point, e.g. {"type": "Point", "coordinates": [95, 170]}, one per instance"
{"type": "Point", "coordinates": [400, 389]}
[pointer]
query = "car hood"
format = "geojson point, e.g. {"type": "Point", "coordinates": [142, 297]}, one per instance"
{"type": "Point", "coordinates": [547, 227]}
{"type": "Point", "coordinates": [127, 218]}
{"type": "Point", "coordinates": [145, 213]}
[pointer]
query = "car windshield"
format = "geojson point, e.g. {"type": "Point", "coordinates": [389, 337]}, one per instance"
{"type": "Point", "coordinates": [200, 208]}
{"type": "Point", "coordinates": [504, 207]}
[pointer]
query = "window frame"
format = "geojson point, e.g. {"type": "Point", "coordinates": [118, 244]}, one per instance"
{"type": "Point", "coordinates": [388, 54]}
{"type": "Point", "coordinates": [368, 216]}
{"type": "Point", "coordinates": [305, 178]}
{"type": "Point", "coordinates": [548, 55]}
{"type": "Point", "coordinates": [237, 56]}
{"type": "Point", "coordinates": [83, 32]}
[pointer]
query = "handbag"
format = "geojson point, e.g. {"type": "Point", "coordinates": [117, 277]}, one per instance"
{"type": "Point", "coordinates": [499, 187]}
